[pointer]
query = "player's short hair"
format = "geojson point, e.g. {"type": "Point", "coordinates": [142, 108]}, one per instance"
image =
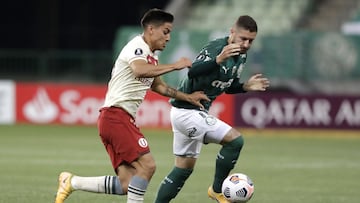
{"type": "Point", "coordinates": [247, 23]}
{"type": "Point", "coordinates": [156, 17]}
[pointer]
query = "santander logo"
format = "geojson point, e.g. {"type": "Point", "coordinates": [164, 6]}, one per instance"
{"type": "Point", "coordinates": [60, 104]}
{"type": "Point", "coordinates": [41, 109]}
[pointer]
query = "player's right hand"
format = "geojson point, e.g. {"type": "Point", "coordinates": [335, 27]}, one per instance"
{"type": "Point", "coordinates": [228, 51]}
{"type": "Point", "coordinates": [182, 63]}
{"type": "Point", "coordinates": [196, 97]}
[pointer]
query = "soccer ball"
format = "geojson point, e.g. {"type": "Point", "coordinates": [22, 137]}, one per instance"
{"type": "Point", "coordinates": [237, 187]}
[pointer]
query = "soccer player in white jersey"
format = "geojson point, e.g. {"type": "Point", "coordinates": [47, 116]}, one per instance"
{"type": "Point", "coordinates": [136, 70]}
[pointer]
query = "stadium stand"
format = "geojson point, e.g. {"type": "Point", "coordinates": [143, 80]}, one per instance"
{"type": "Point", "coordinates": [329, 15]}
{"type": "Point", "coordinates": [284, 14]}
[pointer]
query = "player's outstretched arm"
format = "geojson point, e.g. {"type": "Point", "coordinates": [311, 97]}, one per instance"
{"type": "Point", "coordinates": [194, 98]}
{"type": "Point", "coordinates": [142, 69]}
{"type": "Point", "coordinates": [256, 83]}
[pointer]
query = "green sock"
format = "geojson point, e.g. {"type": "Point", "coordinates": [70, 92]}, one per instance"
{"type": "Point", "coordinates": [226, 160]}
{"type": "Point", "coordinates": [172, 184]}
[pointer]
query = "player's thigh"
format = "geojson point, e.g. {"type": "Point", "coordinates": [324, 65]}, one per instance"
{"type": "Point", "coordinates": [121, 137]}
{"type": "Point", "coordinates": [187, 135]}
{"type": "Point", "coordinates": [217, 132]}
{"type": "Point", "coordinates": [183, 145]}
{"type": "Point", "coordinates": [192, 128]}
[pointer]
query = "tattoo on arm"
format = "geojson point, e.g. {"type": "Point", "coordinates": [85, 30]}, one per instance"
{"type": "Point", "coordinates": [170, 92]}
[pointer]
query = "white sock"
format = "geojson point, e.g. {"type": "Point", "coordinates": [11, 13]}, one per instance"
{"type": "Point", "coordinates": [134, 198]}
{"type": "Point", "coordinates": [136, 190]}
{"type": "Point", "coordinates": [100, 184]}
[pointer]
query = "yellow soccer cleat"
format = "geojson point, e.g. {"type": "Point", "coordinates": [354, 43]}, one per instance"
{"type": "Point", "coordinates": [219, 197]}
{"type": "Point", "coordinates": [64, 189]}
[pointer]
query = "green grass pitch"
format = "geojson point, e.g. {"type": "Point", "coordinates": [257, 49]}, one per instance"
{"type": "Point", "coordinates": [292, 166]}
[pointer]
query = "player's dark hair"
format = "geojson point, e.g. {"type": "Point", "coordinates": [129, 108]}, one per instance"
{"type": "Point", "coordinates": [156, 17]}
{"type": "Point", "coordinates": [247, 23]}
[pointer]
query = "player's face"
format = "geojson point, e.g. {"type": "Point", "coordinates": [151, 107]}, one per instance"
{"type": "Point", "coordinates": [244, 38]}
{"type": "Point", "coordinates": [160, 36]}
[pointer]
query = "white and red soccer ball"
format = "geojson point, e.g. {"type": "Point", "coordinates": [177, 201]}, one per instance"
{"type": "Point", "coordinates": [238, 187]}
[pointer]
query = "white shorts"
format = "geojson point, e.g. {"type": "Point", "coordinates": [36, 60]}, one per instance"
{"type": "Point", "coordinates": [192, 128]}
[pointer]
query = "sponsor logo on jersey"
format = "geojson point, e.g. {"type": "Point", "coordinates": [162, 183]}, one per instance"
{"type": "Point", "coordinates": [222, 85]}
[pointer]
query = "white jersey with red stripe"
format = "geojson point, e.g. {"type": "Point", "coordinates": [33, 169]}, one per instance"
{"type": "Point", "coordinates": [124, 89]}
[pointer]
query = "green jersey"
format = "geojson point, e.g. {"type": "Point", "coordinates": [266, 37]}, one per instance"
{"type": "Point", "coordinates": [208, 76]}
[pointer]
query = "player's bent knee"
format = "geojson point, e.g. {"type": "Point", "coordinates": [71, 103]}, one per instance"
{"type": "Point", "coordinates": [145, 166]}
{"type": "Point", "coordinates": [236, 143]}
{"type": "Point", "coordinates": [231, 135]}
{"type": "Point", "coordinates": [151, 168]}
{"type": "Point", "coordinates": [148, 168]}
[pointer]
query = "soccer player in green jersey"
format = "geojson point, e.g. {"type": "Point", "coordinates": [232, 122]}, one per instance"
{"type": "Point", "coordinates": [216, 70]}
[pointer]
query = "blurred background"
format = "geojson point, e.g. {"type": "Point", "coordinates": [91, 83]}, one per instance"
{"type": "Point", "coordinates": [305, 47]}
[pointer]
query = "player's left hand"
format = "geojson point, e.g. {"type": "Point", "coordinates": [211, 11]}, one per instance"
{"type": "Point", "coordinates": [256, 83]}
{"type": "Point", "coordinates": [196, 98]}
